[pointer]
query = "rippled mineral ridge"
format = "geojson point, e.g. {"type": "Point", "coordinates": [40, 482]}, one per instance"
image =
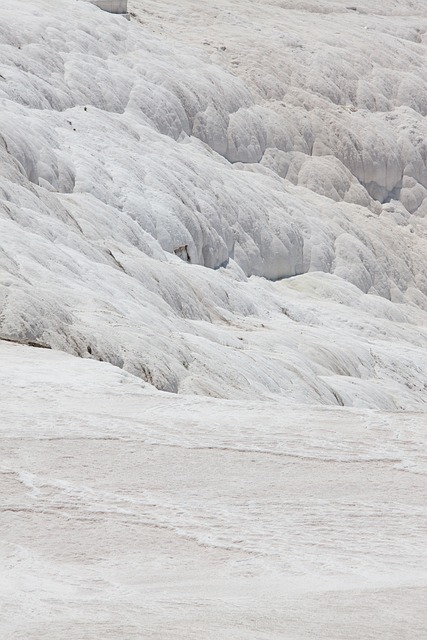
{"type": "Point", "coordinates": [215, 215]}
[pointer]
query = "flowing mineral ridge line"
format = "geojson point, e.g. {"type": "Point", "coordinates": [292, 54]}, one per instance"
{"type": "Point", "coordinates": [214, 214]}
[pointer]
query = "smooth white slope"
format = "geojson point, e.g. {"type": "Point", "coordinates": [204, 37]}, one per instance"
{"type": "Point", "coordinates": [131, 513]}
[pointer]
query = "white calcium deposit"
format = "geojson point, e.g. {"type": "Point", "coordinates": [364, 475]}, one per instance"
{"type": "Point", "coordinates": [225, 202]}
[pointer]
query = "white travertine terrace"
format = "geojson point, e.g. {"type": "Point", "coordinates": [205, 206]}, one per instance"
{"type": "Point", "coordinates": [120, 146]}
{"type": "Point", "coordinates": [112, 6]}
{"type": "Point", "coordinates": [220, 208]}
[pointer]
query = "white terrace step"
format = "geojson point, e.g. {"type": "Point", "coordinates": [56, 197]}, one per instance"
{"type": "Point", "coordinates": [113, 6]}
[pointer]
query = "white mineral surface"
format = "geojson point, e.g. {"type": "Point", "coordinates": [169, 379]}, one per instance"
{"type": "Point", "coordinates": [218, 209]}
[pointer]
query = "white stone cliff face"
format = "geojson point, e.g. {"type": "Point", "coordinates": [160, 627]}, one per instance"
{"type": "Point", "coordinates": [112, 6]}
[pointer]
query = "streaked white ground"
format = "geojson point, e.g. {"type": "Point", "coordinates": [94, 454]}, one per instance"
{"type": "Point", "coordinates": [131, 513]}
